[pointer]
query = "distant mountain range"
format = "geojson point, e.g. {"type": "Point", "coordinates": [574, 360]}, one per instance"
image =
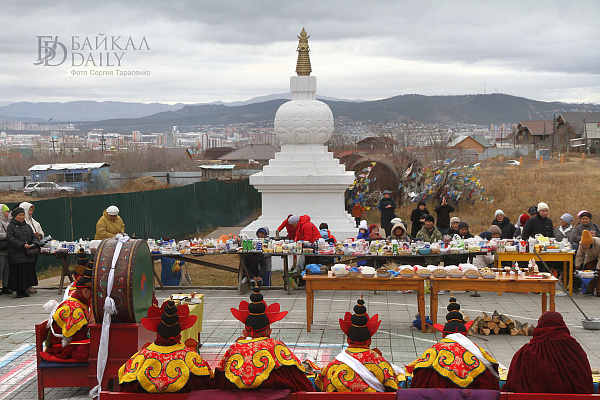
{"type": "Point", "coordinates": [468, 109]}
{"type": "Point", "coordinates": [81, 111]}
{"type": "Point", "coordinates": [74, 111]}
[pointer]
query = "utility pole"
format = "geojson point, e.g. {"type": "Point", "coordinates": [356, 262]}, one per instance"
{"type": "Point", "coordinates": [53, 141]}
{"type": "Point", "coordinates": [102, 144]}
{"type": "Point", "coordinates": [553, 133]}
{"type": "Point", "coordinates": [587, 150]}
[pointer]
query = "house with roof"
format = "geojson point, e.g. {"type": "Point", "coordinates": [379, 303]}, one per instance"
{"type": "Point", "coordinates": [534, 133]}
{"type": "Point", "coordinates": [573, 127]}
{"type": "Point", "coordinates": [250, 153]}
{"type": "Point", "coordinates": [470, 144]}
{"type": "Point", "coordinates": [377, 144]}
{"type": "Point", "coordinates": [87, 177]}
{"type": "Point", "coordinates": [592, 136]}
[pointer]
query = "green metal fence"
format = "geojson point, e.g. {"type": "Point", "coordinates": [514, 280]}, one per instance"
{"type": "Point", "coordinates": [174, 213]}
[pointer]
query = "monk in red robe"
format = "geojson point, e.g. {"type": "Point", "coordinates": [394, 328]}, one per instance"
{"type": "Point", "coordinates": [552, 361]}
{"type": "Point", "coordinates": [68, 336]}
{"type": "Point", "coordinates": [470, 366]}
{"type": "Point", "coordinates": [358, 368]}
{"type": "Point", "coordinates": [256, 360]}
{"type": "Point", "coordinates": [166, 365]}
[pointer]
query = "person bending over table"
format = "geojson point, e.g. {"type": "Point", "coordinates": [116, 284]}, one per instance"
{"type": "Point", "coordinates": [109, 224]}
{"type": "Point", "coordinates": [289, 228]}
{"type": "Point", "coordinates": [257, 264]}
{"type": "Point", "coordinates": [588, 255]}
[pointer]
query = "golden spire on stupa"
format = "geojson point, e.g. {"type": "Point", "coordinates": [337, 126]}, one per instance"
{"type": "Point", "coordinates": [303, 64]}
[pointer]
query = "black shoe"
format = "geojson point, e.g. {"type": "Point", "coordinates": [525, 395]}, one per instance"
{"type": "Point", "coordinates": [6, 291]}
{"type": "Point", "coordinates": [26, 294]}
{"type": "Point", "coordinates": [19, 296]}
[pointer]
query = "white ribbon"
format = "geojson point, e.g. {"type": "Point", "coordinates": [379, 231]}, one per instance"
{"type": "Point", "coordinates": [361, 370]}
{"type": "Point", "coordinates": [473, 349]}
{"type": "Point", "coordinates": [109, 309]}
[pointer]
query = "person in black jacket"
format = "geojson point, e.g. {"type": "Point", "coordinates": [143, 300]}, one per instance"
{"type": "Point", "coordinates": [507, 228]}
{"type": "Point", "coordinates": [539, 224]}
{"type": "Point", "coordinates": [418, 218]}
{"type": "Point", "coordinates": [443, 215]}
{"type": "Point", "coordinates": [21, 264]}
{"type": "Point", "coordinates": [387, 205]}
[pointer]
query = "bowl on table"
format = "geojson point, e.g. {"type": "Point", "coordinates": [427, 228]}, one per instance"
{"type": "Point", "coordinates": [424, 251]}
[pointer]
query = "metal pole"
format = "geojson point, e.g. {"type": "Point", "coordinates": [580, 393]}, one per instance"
{"type": "Point", "coordinates": [587, 150]}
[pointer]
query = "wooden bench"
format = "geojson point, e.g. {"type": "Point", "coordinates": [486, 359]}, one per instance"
{"type": "Point", "coordinates": [55, 374]}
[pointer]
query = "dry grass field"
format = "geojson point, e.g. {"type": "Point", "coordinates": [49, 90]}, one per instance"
{"type": "Point", "coordinates": [568, 187]}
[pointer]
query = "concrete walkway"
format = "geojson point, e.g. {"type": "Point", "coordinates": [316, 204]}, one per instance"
{"type": "Point", "coordinates": [397, 340]}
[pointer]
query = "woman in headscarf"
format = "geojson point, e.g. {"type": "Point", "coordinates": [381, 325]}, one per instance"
{"type": "Point", "coordinates": [35, 226]}
{"type": "Point", "coordinates": [585, 224]}
{"type": "Point", "coordinates": [552, 361]}
{"type": "Point", "coordinates": [21, 242]}
{"type": "Point", "coordinates": [37, 231]}
{"type": "Point", "coordinates": [4, 220]}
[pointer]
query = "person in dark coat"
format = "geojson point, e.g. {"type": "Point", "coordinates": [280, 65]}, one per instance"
{"type": "Point", "coordinates": [387, 205]}
{"type": "Point", "coordinates": [21, 264]}
{"type": "Point", "coordinates": [443, 211]}
{"type": "Point", "coordinates": [418, 218]}
{"type": "Point", "coordinates": [552, 362]}
{"type": "Point", "coordinates": [502, 221]}
{"type": "Point", "coordinates": [539, 224]}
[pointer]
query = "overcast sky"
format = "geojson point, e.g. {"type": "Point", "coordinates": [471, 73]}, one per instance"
{"type": "Point", "coordinates": [204, 51]}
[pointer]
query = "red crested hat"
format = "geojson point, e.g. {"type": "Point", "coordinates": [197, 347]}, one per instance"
{"type": "Point", "coordinates": [170, 315]}
{"type": "Point", "coordinates": [358, 326]}
{"type": "Point", "coordinates": [454, 320]}
{"type": "Point", "coordinates": [257, 315]}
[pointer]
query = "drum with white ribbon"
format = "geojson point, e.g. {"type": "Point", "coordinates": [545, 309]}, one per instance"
{"type": "Point", "coordinates": [133, 280]}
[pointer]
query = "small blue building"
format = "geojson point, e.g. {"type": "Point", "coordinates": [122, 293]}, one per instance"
{"type": "Point", "coordinates": [85, 177]}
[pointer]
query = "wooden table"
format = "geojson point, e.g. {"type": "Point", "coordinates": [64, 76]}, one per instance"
{"type": "Point", "coordinates": [502, 283]}
{"type": "Point", "coordinates": [330, 282]}
{"type": "Point", "coordinates": [243, 287]}
{"type": "Point", "coordinates": [566, 258]}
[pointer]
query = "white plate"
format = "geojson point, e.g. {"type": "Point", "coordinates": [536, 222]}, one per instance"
{"type": "Point", "coordinates": [472, 276]}
{"type": "Point", "coordinates": [489, 276]}
{"type": "Point", "coordinates": [456, 275]}
{"type": "Point", "coordinates": [407, 275]}
{"type": "Point", "coordinates": [440, 275]}
{"type": "Point", "coordinates": [368, 275]}
{"type": "Point", "coordinates": [422, 275]}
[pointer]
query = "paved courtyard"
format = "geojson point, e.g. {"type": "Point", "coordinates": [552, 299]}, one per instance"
{"type": "Point", "coordinates": [398, 341]}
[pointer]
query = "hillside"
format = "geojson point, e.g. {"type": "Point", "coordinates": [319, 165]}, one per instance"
{"type": "Point", "coordinates": [466, 109]}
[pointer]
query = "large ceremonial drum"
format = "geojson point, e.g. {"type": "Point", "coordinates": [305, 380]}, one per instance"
{"type": "Point", "coordinates": [132, 287]}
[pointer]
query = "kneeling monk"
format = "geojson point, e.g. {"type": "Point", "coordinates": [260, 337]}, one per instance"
{"type": "Point", "coordinates": [358, 368]}
{"type": "Point", "coordinates": [68, 338]}
{"type": "Point", "coordinates": [255, 360]}
{"type": "Point", "coordinates": [166, 365]}
{"type": "Point", "coordinates": [455, 362]}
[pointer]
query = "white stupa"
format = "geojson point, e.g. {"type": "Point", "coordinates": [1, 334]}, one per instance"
{"type": "Point", "coordinates": [304, 178]}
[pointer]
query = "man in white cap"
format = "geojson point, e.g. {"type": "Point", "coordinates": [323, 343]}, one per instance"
{"type": "Point", "coordinates": [539, 224]}
{"type": "Point", "coordinates": [109, 224]}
